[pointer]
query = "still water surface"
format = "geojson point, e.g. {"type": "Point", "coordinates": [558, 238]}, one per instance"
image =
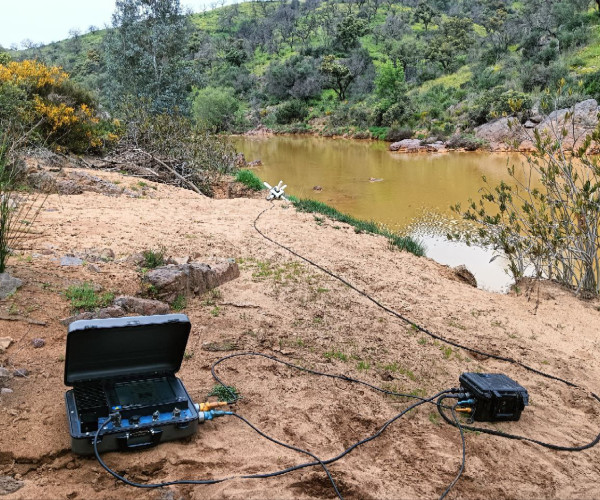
{"type": "Point", "coordinates": [412, 193]}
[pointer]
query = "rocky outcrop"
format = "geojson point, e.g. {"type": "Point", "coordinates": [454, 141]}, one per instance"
{"type": "Point", "coordinates": [466, 276]}
{"type": "Point", "coordinates": [168, 282]}
{"type": "Point", "coordinates": [8, 285]}
{"type": "Point", "coordinates": [508, 134]}
{"type": "Point", "coordinates": [123, 306]}
{"type": "Point", "coordinates": [144, 307]}
{"type": "Point", "coordinates": [416, 146]}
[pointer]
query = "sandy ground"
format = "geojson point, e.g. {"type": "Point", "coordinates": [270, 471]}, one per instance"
{"type": "Point", "coordinates": [283, 307]}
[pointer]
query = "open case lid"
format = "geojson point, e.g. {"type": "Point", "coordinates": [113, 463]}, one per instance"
{"type": "Point", "coordinates": [100, 349]}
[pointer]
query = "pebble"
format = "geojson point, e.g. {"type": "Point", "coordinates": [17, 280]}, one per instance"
{"type": "Point", "coordinates": [37, 343]}
{"type": "Point", "coordinates": [21, 372]}
{"type": "Point", "coordinates": [6, 390]}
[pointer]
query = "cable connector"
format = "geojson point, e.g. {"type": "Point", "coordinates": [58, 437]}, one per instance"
{"type": "Point", "coordinates": [209, 405]}
{"type": "Point", "coordinates": [209, 415]}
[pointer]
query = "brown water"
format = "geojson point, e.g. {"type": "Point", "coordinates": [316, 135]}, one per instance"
{"type": "Point", "coordinates": [414, 194]}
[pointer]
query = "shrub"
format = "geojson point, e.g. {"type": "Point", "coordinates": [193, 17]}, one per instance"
{"type": "Point", "coordinates": [154, 258]}
{"type": "Point", "coordinates": [398, 134]}
{"type": "Point", "coordinates": [249, 179]}
{"type": "Point", "coordinates": [466, 141]}
{"type": "Point", "coordinates": [43, 98]}
{"type": "Point", "coordinates": [553, 228]}
{"type": "Point", "coordinates": [215, 108]}
{"type": "Point", "coordinates": [291, 111]}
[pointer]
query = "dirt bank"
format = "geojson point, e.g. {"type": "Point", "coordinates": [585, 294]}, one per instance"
{"type": "Point", "coordinates": [281, 306]}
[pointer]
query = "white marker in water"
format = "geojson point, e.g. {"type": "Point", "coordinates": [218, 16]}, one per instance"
{"type": "Point", "coordinates": [276, 192]}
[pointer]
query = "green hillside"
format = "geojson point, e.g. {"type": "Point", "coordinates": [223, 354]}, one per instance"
{"type": "Point", "coordinates": [368, 68]}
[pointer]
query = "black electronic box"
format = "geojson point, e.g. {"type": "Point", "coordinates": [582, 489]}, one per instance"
{"type": "Point", "coordinates": [496, 397]}
{"type": "Point", "coordinates": [125, 367]}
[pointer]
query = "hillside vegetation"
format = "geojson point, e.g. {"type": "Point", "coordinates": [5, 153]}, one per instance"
{"type": "Point", "coordinates": [368, 68]}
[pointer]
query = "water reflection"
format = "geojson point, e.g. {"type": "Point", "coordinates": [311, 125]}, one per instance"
{"type": "Point", "coordinates": [412, 185]}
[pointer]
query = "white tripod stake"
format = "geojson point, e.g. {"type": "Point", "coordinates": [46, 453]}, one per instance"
{"type": "Point", "coordinates": [276, 192]}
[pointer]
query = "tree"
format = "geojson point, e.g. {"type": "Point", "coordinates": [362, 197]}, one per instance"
{"type": "Point", "coordinates": [146, 53]}
{"type": "Point", "coordinates": [390, 83]}
{"type": "Point", "coordinates": [338, 74]}
{"type": "Point", "coordinates": [454, 37]}
{"type": "Point", "coordinates": [215, 109]}
{"type": "Point", "coordinates": [349, 30]}
{"type": "Point", "coordinates": [424, 13]}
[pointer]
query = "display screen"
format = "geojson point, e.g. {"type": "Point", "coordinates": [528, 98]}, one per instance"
{"type": "Point", "coordinates": [144, 392]}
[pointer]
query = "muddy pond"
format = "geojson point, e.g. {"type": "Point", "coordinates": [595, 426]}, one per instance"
{"type": "Point", "coordinates": [409, 193]}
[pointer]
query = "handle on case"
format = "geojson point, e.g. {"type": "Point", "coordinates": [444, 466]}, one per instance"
{"type": "Point", "coordinates": [140, 439]}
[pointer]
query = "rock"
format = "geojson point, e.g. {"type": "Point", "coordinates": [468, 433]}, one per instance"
{"type": "Point", "coordinates": [47, 251]}
{"type": "Point", "coordinates": [6, 390]}
{"type": "Point", "coordinates": [317, 188]}
{"type": "Point", "coordinates": [499, 133]}
{"type": "Point", "coordinates": [240, 160]}
{"type": "Point", "coordinates": [104, 313]}
{"type": "Point", "coordinates": [137, 259]}
{"type": "Point", "coordinates": [9, 485]}
{"type": "Point", "coordinates": [466, 276]}
{"type": "Point", "coordinates": [5, 376]}
{"type": "Point", "coordinates": [98, 254]}
{"type": "Point", "coordinates": [170, 281]}
{"type": "Point", "coordinates": [69, 260]}
{"type": "Point", "coordinates": [255, 163]}
{"type": "Point", "coordinates": [536, 118]}
{"type": "Point", "coordinates": [8, 285]}
{"type": "Point", "coordinates": [529, 124]}
{"type": "Point", "coordinates": [21, 372]}
{"type": "Point", "coordinates": [94, 268]}
{"type": "Point", "coordinates": [37, 343]}
{"type": "Point", "coordinates": [407, 145]}
{"type": "Point", "coordinates": [5, 343]}
{"type": "Point", "coordinates": [179, 260]}
{"type": "Point", "coordinates": [373, 179]}
{"type": "Point", "coordinates": [145, 307]}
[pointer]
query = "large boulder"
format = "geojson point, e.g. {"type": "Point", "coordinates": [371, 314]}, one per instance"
{"type": "Point", "coordinates": [8, 285]}
{"type": "Point", "coordinates": [500, 133]}
{"type": "Point", "coordinates": [169, 282]}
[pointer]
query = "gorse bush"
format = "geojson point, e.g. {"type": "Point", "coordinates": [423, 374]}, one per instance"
{"type": "Point", "coordinates": [42, 98]}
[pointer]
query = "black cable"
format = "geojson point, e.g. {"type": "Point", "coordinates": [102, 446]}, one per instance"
{"type": "Point", "coordinates": [464, 446]}
{"type": "Point", "coordinates": [407, 320]}
{"type": "Point", "coordinates": [322, 463]}
{"type": "Point", "coordinates": [345, 378]}
{"type": "Point", "coordinates": [507, 435]}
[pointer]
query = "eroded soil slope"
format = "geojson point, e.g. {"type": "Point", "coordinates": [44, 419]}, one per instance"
{"type": "Point", "coordinates": [283, 307]}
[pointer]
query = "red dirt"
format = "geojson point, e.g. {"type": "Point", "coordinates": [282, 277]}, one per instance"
{"type": "Point", "coordinates": [283, 307]}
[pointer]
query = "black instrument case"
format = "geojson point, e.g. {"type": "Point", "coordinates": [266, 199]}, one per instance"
{"type": "Point", "coordinates": [125, 367]}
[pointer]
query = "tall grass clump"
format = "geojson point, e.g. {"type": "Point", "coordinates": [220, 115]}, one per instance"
{"type": "Point", "coordinates": [405, 243]}
{"type": "Point", "coordinates": [249, 179]}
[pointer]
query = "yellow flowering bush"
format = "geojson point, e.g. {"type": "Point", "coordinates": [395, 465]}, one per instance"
{"type": "Point", "coordinates": [66, 115]}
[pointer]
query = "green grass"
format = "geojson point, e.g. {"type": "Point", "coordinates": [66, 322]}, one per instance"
{"type": "Point", "coordinates": [361, 226]}
{"type": "Point", "coordinates": [180, 303]}
{"type": "Point", "coordinates": [154, 258]}
{"type": "Point", "coordinates": [249, 179]}
{"type": "Point", "coordinates": [84, 297]}
{"type": "Point", "coordinates": [333, 354]}
{"type": "Point", "coordinates": [225, 393]}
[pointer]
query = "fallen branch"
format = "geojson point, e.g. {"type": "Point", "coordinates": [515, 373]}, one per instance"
{"type": "Point", "coordinates": [23, 319]}
{"type": "Point", "coordinates": [173, 171]}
